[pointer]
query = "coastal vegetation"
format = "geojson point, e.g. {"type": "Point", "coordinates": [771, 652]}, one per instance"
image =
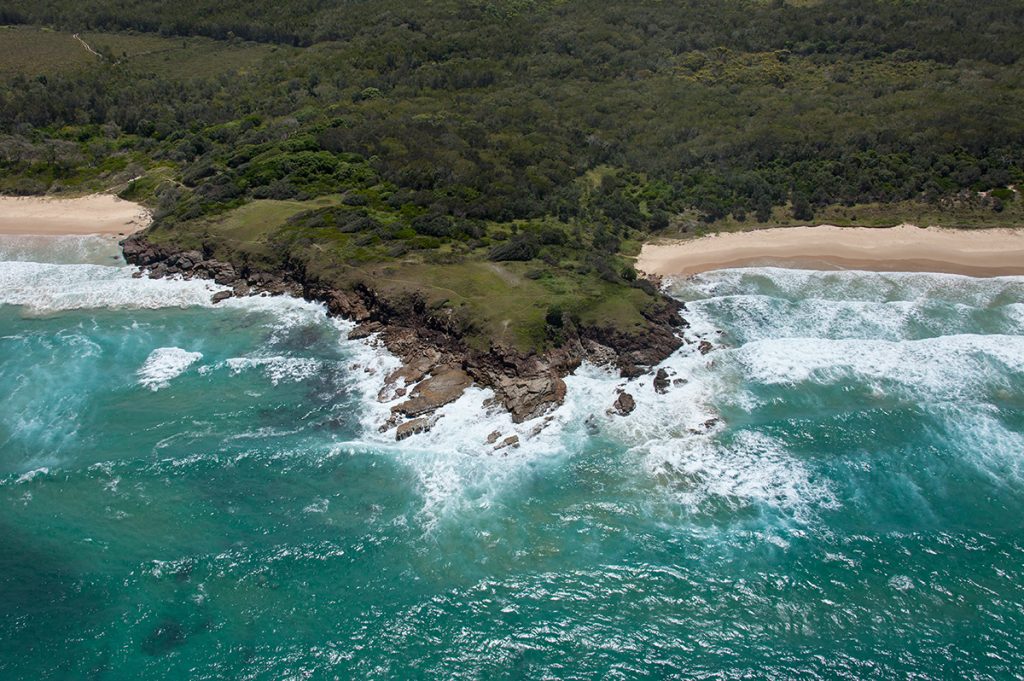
{"type": "Point", "coordinates": [506, 159]}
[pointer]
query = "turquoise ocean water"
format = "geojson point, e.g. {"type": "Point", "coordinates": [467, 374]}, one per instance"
{"type": "Point", "coordinates": [198, 492]}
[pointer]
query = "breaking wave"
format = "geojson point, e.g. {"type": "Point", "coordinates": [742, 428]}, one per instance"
{"type": "Point", "coordinates": [165, 364]}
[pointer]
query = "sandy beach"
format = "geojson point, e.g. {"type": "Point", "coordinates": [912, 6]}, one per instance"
{"type": "Point", "coordinates": [95, 214]}
{"type": "Point", "coordinates": [904, 248]}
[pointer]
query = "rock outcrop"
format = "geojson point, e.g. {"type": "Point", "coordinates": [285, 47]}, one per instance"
{"type": "Point", "coordinates": [438, 365]}
{"type": "Point", "coordinates": [624, 404]}
{"type": "Point", "coordinates": [413, 427]}
{"type": "Point", "coordinates": [661, 382]}
{"type": "Point", "coordinates": [443, 387]}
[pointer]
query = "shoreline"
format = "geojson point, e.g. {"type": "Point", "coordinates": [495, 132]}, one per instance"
{"type": "Point", "coordinates": [437, 364]}
{"type": "Point", "coordinates": [100, 214]}
{"type": "Point", "coordinates": [903, 248]}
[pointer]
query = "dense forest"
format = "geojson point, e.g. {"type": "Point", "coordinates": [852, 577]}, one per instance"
{"type": "Point", "coordinates": [515, 130]}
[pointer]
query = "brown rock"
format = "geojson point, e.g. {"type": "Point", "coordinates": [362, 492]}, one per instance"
{"type": "Point", "coordinates": [390, 423]}
{"type": "Point", "coordinates": [511, 441]}
{"type": "Point", "coordinates": [365, 330]}
{"type": "Point", "coordinates": [705, 347]}
{"type": "Point", "coordinates": [344, 304]}
{"type": "Point", "coordinates": [661, 382]}
{"type": "Point", "coordinates": [413, 370]}
{"type": "Point", "coordinates": [414, 427]}
{"type": "Point", "coordinates": [223, 273]}
{"type": "Point", "coordinates": [444, 386]}
{"type": "Point", "coordinates": [625, 404]}
{"type": "Point", "coordinates": [527, 397]}
{"type": "Point", "coordinates": [705, 427]}
{"type": "Point", "coordinates": [221, 295]}
{"type": "Point", "coordinates": [493, 437]}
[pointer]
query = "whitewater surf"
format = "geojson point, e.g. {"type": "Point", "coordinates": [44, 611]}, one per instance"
{"type": "Point", "coordinates": [834, 490]}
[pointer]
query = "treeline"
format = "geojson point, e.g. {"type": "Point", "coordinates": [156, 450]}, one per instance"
{"type": "Point", "coordinates": [611, 114]}
{"type": "Point", "coordinates": [944, 31]}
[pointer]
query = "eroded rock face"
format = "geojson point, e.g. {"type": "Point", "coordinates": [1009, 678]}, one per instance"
{"type": "Point", "coordinates": [443, 387]}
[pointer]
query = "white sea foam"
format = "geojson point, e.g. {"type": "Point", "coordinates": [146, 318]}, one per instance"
{"type": "Point", "coordinates": [285, 312]}
{"type": "Point", "coordinates": [986, 442]}
{"type": "Point", "coordinates": [277, 368]}
{"type": "Point", "coordinates": [32, 475]}
{"type": "Point", "coordinates": [706, 473]}
{"type": "Point", "coordinates": [165, 364]}
{"type": "Point", "coordinates": [91, 249]}
{"type": "Point", "coordinates": [459, 472]}
{"type": "Point", "coordinates": [850, 285]}
{"type": "Point", "coordinates": [841, 325]}
{"type": "Point", "coordinates": [45, 288]}
{"type": "Point", "coordinates": [946, 368]}
{"type": "Point", "coordinates": [318, 506]}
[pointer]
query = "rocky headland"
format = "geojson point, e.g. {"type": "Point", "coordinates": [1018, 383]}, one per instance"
{"type": "Point", "coordinates": [438, 365]}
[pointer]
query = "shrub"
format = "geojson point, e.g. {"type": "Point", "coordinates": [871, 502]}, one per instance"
{"type": "Point", "coordinates": [554, 317]}
{"type": "Point", "coordinates": [520, 248]}
{"type": "Point", "coordinates": [425, 242]}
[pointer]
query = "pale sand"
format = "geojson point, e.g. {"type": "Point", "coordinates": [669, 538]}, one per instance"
{"type": "Point", "coordinates": [905, 248]}
{"type": "Point", "coordinates": [95, 214]}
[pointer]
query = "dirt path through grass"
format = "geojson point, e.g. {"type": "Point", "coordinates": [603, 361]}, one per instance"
{"type": "Point", "coordinates": [87, 46]}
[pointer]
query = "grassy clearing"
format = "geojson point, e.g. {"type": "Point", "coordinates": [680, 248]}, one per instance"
{"type": "Point", "coordinates": [34, 51]}
{"type": "Point", "coordinates": [247, 229]}
{"type": "Point", "coordinates": [195, 57]}
{"type": "Point", "coordinates": [38, 51]}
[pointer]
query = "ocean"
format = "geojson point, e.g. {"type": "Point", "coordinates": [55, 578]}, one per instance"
{"type": "Point", "coordinates": [201, 492]}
